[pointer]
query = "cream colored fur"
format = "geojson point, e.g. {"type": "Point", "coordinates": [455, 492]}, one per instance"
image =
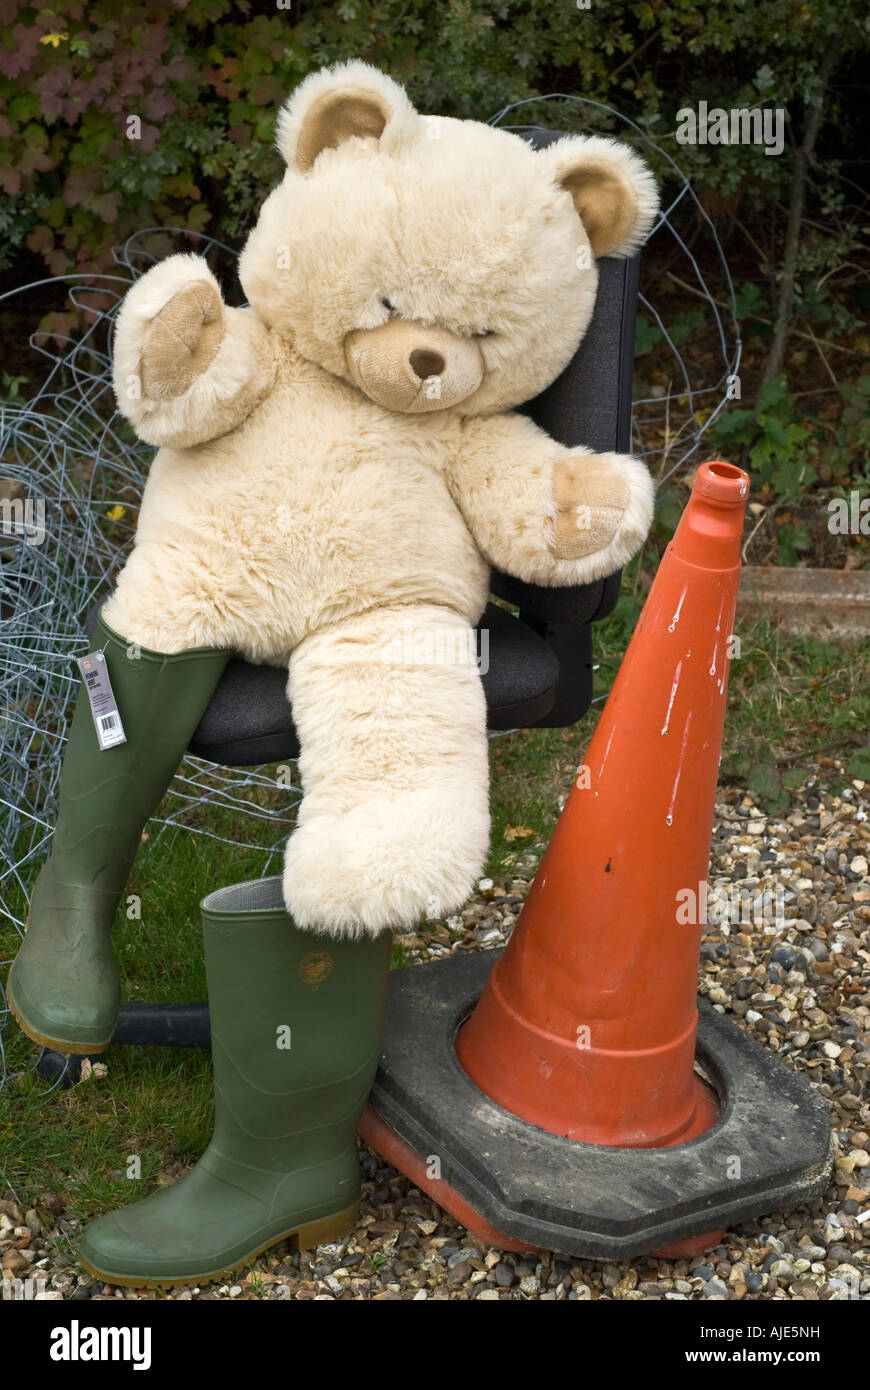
{"type": "Point", "coordinates": [394, 825]}
{"type": "Point", "coordinates": [308, 507]}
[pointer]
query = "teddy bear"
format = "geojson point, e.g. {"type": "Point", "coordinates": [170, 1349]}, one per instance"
{"type": "Point", "coordinates": [339, 465]}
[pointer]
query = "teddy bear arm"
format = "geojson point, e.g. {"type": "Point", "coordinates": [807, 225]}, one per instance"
{"type": "Point", "coordinates": [544, 513]}
{"type": "Point", "coordinates": [187, 367]}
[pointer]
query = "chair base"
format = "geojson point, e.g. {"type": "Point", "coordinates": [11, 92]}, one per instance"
{"type": "Point", "coordinates": [139, 1025]}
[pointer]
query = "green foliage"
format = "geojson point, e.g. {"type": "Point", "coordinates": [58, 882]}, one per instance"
{"type": "Point", "coordinates": [788, 453]}
{"type": "Point", "coordinates": [777, 447]}
{"type": "Point", "coordinates": [793, 701]}
{"type": "Point", "coordinates": [685, 325]}
{"type": "Point", "coordinates": [793, 543]}
{"type": "Point", "coordinates": [845, 455]}
{"type": "Point", "coordinates": [749, 301]}
{"type": "Point", "coordinates": [10, 386]}
{"type": "Point", "coordinates": [859, 764]}
{"type": "Point", "coordinates": [647, 336]}
{"type": "Point", "coordinates": [205, 78]}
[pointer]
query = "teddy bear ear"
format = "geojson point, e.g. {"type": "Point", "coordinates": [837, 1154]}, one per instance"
{"type": "Point", "coordinates": [336, 104]}
{"type": "Point", "coordinates": [613, 190]}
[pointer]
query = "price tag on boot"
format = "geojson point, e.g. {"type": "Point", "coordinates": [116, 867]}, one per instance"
{"type": "Point", "coordinates": [104, 708]}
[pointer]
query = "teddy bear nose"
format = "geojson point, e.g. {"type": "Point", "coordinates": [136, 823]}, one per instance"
{"type": "Point", "coordinates": [425, 363]}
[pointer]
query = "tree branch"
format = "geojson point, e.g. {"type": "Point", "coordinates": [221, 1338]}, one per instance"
{"type": "Point", "coordinates": [803, 154]}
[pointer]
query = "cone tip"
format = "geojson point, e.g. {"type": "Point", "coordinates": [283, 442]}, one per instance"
{"type": "Point", "coordinates": [721, 482]}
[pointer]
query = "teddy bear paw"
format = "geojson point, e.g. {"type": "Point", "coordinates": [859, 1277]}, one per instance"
{"type": "Point", "coordinates": [182, 341]}
{"type": "Point", "coordinates": [387, 863]}
{"type": "Point", "coordinates": [604, 509]}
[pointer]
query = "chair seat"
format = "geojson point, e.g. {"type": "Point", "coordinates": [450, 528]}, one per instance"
{"type": "Point", "coordinates": [249, 720]}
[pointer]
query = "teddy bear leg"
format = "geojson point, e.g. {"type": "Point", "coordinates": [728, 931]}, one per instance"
{"type": "Point", "coordinates": [394, 823]}
{"type": "Point", "coordinates": [157, 604]}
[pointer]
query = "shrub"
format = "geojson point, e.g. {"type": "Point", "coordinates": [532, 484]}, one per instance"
{"type": "Point", "coordinates": [118, 114]}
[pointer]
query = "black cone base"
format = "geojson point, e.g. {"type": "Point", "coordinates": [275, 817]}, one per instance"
{"type": "Point", "coordinates": [771, 1148]}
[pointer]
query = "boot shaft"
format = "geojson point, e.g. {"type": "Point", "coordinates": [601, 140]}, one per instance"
{"type": "Point", "coordinates": [106, 796]}
{"type": "Point", "coordinates": [296, 1023]}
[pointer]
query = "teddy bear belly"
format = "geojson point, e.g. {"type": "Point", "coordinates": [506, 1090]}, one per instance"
{"type": "Point", "coordinates": [258, 562]}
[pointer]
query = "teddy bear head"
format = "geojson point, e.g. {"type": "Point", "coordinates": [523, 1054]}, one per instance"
{"type": "Point", "coordinates": [435, 263]}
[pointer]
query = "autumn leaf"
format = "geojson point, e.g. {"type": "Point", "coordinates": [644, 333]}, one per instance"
{"type": "Point", "coordinates": [518, 832]}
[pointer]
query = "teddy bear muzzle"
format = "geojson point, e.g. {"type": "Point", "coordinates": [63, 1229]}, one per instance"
{"type": "Point", "coordinates": [408, 367]}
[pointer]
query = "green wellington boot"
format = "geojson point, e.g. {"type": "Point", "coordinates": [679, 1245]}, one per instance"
{"type": "Point", "coordinates": [295, 1026]}
{"type": "Point", "coordinates": [64, 986]}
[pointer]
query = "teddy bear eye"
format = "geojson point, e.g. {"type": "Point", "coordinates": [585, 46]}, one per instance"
{"type": "Point", "coordinates": [388, 305]}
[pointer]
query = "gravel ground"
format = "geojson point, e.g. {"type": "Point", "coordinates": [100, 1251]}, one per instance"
{"type": "Point", "coordinates": [796, 976]}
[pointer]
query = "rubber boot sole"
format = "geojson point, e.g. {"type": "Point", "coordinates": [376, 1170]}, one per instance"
{"type": "Point", "coordinates": [63, 1045]}
{"type": "Point", "coordinates": [312, 1233]}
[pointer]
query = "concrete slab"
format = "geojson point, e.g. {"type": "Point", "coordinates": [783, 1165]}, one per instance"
{"type": "Point", "coordinates": [828, 604]}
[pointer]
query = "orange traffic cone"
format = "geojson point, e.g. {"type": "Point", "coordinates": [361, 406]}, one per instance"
{"type": "Point", "coordinates": [558, 1114]}
{"type": "Point", "coordinates": [587, 1025]}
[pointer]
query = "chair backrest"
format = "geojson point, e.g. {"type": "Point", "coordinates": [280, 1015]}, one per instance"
{"type": "Point", "coordinates": [589, 404]}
